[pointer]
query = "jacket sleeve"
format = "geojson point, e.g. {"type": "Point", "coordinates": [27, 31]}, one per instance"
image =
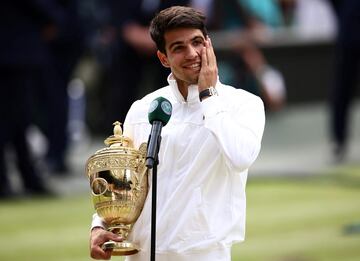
{"type": "Point", "coordinates": [97, 222]}
{"type": "Point", "coordinates": [237, 121]}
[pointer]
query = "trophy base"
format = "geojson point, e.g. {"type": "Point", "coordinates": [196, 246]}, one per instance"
{"type": "Point", "coordinates": [121, 248]}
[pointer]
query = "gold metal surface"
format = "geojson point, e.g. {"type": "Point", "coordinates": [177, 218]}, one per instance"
{"type": "Point", "coordinates": [119, 185]}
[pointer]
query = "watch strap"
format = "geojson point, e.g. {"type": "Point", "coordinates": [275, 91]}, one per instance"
{"type": "Point", "coordinates": [207, 93]}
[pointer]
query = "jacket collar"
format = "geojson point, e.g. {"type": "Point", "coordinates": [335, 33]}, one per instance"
{"type": "Point", "coordinates": [193, 92]}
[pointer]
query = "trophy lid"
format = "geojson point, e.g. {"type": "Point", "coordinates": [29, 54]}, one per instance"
{"type": "Point", "coordinates": [118, 139]}
{"type": "Point", "coordinates": [118, 154]}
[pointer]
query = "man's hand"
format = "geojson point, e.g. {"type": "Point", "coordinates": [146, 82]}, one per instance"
{"type": "Point", "coordinates": [98, 237]}
{"type": "Point", "coordinates": [209, 71]}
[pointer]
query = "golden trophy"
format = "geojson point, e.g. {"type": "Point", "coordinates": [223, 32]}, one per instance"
{"type": "Point", "coordinates": [119, 185]}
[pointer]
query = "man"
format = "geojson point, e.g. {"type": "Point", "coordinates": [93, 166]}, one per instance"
{"type": "Point", "coordinates": [207, 147]}
{"type": "Point", "coordinates": [347, 69]}
{"type": "Point", "coordinates": [25, 27]}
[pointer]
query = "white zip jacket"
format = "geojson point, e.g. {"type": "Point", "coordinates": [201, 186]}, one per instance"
{"type": "Point", "coordinates": [206, 150]}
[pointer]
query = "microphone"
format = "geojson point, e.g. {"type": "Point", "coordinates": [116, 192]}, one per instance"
{"type": "Point", "coordinates": [159, 115]}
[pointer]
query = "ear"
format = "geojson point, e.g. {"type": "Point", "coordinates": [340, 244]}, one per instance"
{"type": "Point", "coordinates": [163, 59]}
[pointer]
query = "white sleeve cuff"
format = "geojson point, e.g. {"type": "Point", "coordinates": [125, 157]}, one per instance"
{"type": "Point", "coordinates": [97, 222]}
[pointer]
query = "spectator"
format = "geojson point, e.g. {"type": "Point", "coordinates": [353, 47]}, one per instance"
{"type": "Point", "coordinates": [314, 18]}
{"type": "Point", "coordinates": [251, 69]}
{"type": "Point", "coordinates": [346, 73]}
{"type": "Point", "coordinates": [23, 53]}
{"type": "Point", "coordinates": [65, 48]}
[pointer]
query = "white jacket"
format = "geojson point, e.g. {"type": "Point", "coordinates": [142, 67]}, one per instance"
{"type": "Point", "coordinates": [206, 150]}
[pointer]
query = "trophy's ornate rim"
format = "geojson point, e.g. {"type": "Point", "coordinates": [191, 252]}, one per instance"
{"type": "Point", "coordinates": [121, 248]}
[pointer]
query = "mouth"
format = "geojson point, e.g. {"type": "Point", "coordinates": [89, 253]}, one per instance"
{"type": "Point", "coordinates": [193, 66]}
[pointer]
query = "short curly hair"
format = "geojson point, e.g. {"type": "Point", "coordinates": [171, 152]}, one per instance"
{"type": "Point", "coordinates": [172, 18]}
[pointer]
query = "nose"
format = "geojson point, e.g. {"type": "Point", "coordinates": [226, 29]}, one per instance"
{"type": "Point", "coordinates": [191, 52]}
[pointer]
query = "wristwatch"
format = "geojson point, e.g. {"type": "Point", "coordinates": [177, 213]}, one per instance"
{"type": "Point", "coordinates": [211, 91]}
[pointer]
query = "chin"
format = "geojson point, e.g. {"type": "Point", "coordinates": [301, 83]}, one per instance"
{"type": "Point", "coordinates": [194, 80]}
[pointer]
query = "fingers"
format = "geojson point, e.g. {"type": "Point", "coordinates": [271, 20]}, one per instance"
{"type": "Point", "coordinates": [211, 58]}
{"type": "Point", "coordinates": [209, 71]}
{"type": "Point", "coordinates": [114, 237]}
{"type": "Point", "coordinates": [208, 57]}
{"type": "Point", "coordinates": [204, 59]}
{"type": "Point", "coordinates": [97, 238]}
{"type": "Point", "coordinates": [98, 253]}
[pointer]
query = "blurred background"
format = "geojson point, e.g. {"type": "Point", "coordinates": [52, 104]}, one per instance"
{"type": "Point", "coordinates": [70, 68]}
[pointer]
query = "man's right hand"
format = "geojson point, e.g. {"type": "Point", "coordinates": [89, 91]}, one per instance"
{"type": "Point", "coordinates": [98, 237]}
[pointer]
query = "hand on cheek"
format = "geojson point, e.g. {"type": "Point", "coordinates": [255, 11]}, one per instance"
{"type": "Point", "coordinates": [209, 71]}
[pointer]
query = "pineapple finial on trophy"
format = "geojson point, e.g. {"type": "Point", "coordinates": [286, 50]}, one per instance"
{"type": "Point", "coordinates": [117, 128]}
{"type": "Point", "coordinates": [118, 139]}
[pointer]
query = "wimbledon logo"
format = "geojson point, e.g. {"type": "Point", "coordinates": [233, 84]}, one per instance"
{"type": "Point", "coordinates": [166, 107]}
{"type": "Point", "coordinates": [153, 105]}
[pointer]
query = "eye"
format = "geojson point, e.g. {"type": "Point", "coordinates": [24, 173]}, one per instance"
{"type": "Point", "coordinates": [197, 43]}
{"type": "Point", "coordinates": [177, 48]}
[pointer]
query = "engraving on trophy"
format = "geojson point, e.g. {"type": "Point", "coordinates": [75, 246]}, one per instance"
{"type": "Point", "coordinates": [119, 185]}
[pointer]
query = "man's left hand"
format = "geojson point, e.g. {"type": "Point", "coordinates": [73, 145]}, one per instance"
{"type": "Point", "coordinates": [209, 71]}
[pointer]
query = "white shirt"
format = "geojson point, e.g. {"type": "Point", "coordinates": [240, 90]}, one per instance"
{"type": "Point", "coordinates": [206, 150]}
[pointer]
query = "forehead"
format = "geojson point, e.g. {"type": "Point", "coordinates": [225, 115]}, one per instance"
{"type": "Point", "coordinates": [181, 35]}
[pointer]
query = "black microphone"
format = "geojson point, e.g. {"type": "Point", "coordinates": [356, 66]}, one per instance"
{"type": "Point", "coordinates": [159, 115]}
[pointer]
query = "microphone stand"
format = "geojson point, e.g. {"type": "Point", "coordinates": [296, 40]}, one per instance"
{"type": "Point", "coordinates": [153, 165]}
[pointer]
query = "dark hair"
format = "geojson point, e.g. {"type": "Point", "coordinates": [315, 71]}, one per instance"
{"type": "Point", "coordinates": [172, 18]}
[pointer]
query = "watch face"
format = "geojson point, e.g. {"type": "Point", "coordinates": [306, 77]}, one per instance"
{"type": "Point", "coordinates": [212, 91]}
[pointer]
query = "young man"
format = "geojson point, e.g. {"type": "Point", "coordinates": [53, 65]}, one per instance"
{"type": "Point", "coordinates": [212, 138]}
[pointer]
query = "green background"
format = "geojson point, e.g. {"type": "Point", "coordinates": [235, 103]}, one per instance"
{"type": "Point", "coordinates": [288, 219]}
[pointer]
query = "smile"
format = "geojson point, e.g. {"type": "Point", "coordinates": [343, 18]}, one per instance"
{"type": "Point", "coordinates": [194, 66]}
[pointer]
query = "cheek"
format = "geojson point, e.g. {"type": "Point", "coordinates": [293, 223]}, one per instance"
{"type": "Point", "coordinates": [174, 62]}
{"type": "Point", "coordinates": [199, 49]}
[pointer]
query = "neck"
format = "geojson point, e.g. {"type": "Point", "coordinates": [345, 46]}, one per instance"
{"type": "Point", "coordinates": [183, 89]}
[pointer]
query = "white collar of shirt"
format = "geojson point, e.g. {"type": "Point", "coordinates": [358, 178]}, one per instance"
{"type": "Point", "coordinates": [193, 92]}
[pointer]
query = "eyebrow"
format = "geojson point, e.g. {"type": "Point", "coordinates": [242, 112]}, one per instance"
{"type": "Point", "coordinates": [180, 42]}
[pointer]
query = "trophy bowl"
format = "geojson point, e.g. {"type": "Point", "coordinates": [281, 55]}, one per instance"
{"type": "Point", "coordinates": [119, 185]}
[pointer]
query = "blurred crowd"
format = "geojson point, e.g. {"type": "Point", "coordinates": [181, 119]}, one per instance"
{"type": "Point", "coordinates": [41, 44]}
{"type": "Point", "coordinates": [45, 43]}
